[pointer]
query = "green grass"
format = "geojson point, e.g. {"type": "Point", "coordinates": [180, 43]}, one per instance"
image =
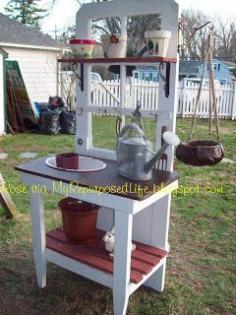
{"type": "Point", "coordinates": [201, 271]}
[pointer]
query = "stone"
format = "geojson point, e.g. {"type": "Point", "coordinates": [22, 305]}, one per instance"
{"type": "Point", "coordinates": [28, 155]}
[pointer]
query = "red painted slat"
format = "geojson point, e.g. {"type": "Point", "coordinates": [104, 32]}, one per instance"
{"type": "Point", "coordinates": [137, 254]}
{"type": "Point", "coordinates": [97, 249]}
{"type": "Point", "coordinates": [93, 253]}
{"type": "Point", "coordinates": [151, 250]}
{"type": "Point", "coordinates": [140, 266]}
{"type": "Point", "coordinates": [78, 252]}
{"type": "Point", "coordinates": [59, 234]}
{"type": "Point", "coordinates": [149, 259]}
{"type": "Point", "coordinates": [145, 253]}
{"type": "Point", "coordinates": [82, 255]}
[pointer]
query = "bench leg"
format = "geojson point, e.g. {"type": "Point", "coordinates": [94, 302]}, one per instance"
{"type": "Point", "coordinates": [38, 237]}
{"type": "Point", "coordinates": [159, 238]}
{"type": "Point", "coordinates": [122, 262]}
{"type": "Point", "coordinates": [157, 280]}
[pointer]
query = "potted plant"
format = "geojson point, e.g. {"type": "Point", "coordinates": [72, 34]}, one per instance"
{"type": "Point", "coordinates": [114, 46]}
{"type": "Point", "coordinates": [157, 42]}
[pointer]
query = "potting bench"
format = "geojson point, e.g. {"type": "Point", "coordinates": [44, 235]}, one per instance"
{"type": "Point", "coordinates": [141, 212]}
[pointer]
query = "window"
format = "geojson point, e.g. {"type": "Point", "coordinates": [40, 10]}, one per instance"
{"type": "Point", "coordinates": [215, 66]}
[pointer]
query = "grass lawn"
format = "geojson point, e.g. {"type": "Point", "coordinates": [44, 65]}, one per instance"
{"type": "Point", "coordinates": [201, 270]}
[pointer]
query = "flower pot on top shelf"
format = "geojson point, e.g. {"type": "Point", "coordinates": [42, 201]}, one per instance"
{"type": "Point", "coordinates": [158, 42]}
{"type": "Point", "coordinates": [82, 48]}
{"type": "Point", "coordinates": [114, 46]}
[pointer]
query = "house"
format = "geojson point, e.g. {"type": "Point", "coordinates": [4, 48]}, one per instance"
{"type": "Point", "coordinates": [194, 69]}
{"type": "Point", "coordinates": [36, 54]}
{"type": "Point", "coordinates": [189, 69]}
{"type": "Point", "coordinates": [3, 56]}
{"type": "Point", "coordinates": [146, 74]}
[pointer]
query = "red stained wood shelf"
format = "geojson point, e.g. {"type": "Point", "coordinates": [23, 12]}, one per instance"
{"type": "Point", "coordinates": [127, 60]}
{"type": "Point", "coordinates": [144, 258]}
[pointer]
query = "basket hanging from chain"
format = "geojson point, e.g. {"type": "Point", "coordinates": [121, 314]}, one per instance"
{"type": "Point", "coordinates": [203, 152]}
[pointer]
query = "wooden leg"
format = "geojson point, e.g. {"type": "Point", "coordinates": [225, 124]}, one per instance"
{"type": "Point", "coordinates": [157, 281]}
{"type": "Point", "coordinates": [159, 238]}
{"type": "Point", "coordinates": [122, 262]}
{"type": "Point", "coordinates": [38, 237]}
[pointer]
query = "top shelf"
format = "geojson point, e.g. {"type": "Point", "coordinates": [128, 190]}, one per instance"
{"type": "Point", "coordinates": [128, 60]}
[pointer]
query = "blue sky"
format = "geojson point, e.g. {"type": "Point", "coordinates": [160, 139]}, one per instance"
{"type": "Point", "coordinates": [64, 11]}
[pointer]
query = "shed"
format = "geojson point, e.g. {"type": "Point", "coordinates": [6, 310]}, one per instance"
{"type": "Point", "coordinates": [3, 56]}
{"type": "Point", "coordinates": [36, 54]}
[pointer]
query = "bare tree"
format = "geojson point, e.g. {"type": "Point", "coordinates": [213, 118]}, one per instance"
{"type": "Point", "coordinates": [194, 33]}
{"type": "Point", "coordinates": [225, 35]}
{"type": "Point", "coordinates": [195, 36]}
{"type": "Point", "coordinates": [136, 27]}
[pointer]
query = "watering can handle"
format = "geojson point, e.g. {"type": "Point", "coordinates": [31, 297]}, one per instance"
{"type": "Point", "coordinates": [133, 127]}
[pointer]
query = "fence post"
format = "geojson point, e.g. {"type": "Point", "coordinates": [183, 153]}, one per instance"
{"type": "Point", "coordinates": [234, 103]}
{"type": "Point", "coordinates": [184, 91]}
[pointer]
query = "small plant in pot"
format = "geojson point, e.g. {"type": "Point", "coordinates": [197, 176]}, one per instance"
{"type": "Point", "coordinates": [157, 41]}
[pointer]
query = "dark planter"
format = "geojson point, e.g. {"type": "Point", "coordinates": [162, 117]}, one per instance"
{"type": "Point", "coordinates": [200, 153]}
{"type": "Point", "coordinates": [67, 160]}
{"type": "Point", "coordinates": [79, 219]}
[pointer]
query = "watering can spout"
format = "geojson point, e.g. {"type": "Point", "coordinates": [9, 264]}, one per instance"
{"type": "Point", "coordinates": [170, 139]}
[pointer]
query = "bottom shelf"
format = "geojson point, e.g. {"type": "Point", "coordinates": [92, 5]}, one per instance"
{"type": "Point", "coordinates": [143, 261]}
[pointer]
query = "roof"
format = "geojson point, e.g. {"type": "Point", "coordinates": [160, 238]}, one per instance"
{"type": "Point", "coordinates": [14, 32]}
{"type": "Point", "coordinates": [229, 64]}
{"type": "Point", "coordinates": [3, 52]}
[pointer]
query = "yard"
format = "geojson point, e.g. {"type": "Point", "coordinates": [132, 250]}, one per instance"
{"type": "Point", "coordinates": [201, 273]}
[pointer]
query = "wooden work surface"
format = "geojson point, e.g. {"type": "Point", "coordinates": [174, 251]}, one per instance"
{"type": "Point", "coordinates": [105, 178]}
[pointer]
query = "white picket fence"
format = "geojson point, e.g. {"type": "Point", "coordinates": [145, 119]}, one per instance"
{"type": "Point", "coordinates": [107, 93]}
{"type": "Point", "coordinates": [225, 96]}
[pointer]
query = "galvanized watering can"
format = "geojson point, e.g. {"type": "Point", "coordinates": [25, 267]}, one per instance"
{"type": "Point", "coordinates": [135, 156]}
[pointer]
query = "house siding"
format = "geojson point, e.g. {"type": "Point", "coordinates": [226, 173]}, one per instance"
{"type": "Point", "coordinates": [221, 74]}
{"type": "Point", "coordinates": [39, 71]}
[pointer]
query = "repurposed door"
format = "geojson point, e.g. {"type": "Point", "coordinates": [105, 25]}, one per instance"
{"type": "Point", "coordinates": [150, 226]}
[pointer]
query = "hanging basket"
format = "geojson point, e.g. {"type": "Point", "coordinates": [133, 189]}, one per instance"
{"type": "Point", "coordinates": [200, 152]}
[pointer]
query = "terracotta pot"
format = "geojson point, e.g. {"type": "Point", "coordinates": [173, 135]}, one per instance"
{"type": "Point", "coordinates": [79, 219]}
{"type": "Point", "coordinates": [67, 160]}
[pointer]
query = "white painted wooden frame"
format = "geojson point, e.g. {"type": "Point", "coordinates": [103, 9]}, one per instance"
{"type": "Point", "coordinates": [169, 11]}
{"type": "Point", "coordinates": [145, 221]}
{"type": "Point", "coordinates": [125, 210]}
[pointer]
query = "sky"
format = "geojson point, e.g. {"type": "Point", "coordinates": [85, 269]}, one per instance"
{"type": "Point", "coordinates": [63, 13]}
